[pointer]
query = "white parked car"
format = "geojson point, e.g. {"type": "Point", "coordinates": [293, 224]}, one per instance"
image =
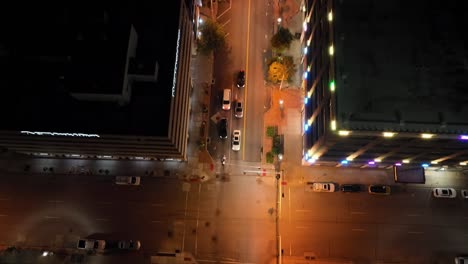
{"type": "Point", "coordinates": [127, 180]}
{"type": "Point", "coordinates": [323, 187]}
{"type": "Point", "coordinates": [236, 140]}
{"type": "Point", "coordinates": [464, 194]}
{"type": "Point", "coordinates": [444, 192]}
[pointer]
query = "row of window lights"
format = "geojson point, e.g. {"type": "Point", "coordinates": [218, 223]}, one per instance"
{"type": "Point", "coordinates": [392, 134]}
{"type": "Point", "coordinates": [313, 159]}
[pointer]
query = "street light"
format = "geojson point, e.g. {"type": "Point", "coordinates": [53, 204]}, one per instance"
{"type": "Point", "coordinates": [279, 20]}
{"type": "Point", "coordinates": [281, 104]}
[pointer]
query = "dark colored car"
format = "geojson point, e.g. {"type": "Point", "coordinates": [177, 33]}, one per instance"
{"type": "Point", "coordinates": [241, 79]}
{"type": "Point", "coordinates": [350, 188]}
{"type": "Point", "coordinates": [239, 110]}
{"type": "Point", "coordinates": [223, 124]}
{"type": "Point", "coordinates": [379, 189]}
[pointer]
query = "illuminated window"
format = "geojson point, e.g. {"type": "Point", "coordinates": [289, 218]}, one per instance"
{"type": "Point", "coordinates": [388, 134]}
{"type": "Point", "coordinates": [330, 16]}
{"type": "Point", "coordinates": [427, 136]}
{"type": "Point", "coordinates": [332, 86]}
{"type": "Point", "coordinates": [333, 125]}
{"type": "Point", "coordinates": [343, 133]}
{"type": "Point", "coordinates": [331, 50]}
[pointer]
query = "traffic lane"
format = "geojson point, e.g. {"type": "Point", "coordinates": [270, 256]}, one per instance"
{"type": "Point", "coordinates": [237, 239]}
{"type": "Point", "coordinates": [404, 208]}
{"type": "Point", "coordinates": [420, 240]}
{"type": "Point", "coordinates": [306, 236]}
{"type": "Point", "coordinates": [242, 198]}
{"type": "Point", "coordinates": [255, 105]}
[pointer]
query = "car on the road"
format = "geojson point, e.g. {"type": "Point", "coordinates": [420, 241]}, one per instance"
{"type": "Point", "coordinates": [323, 187]}
{"type": "Point", "coordinates": [91, 244]}
{"type": "Point", "coordinates": [350, 188]}
{"type": "Point", "coordinates": [227, 99]}
{"type": "Point", "coordinates": [236, 140]}
{"type": "Point", "coordinates": [127, 180]}
{"type": "Point", "coordinates": [239, 110]}
{"type": "Point", "coordinates": [129, 244]}
{"type": "Point", "coordinates": [444, 192]}
{"type": "Point", "coordinates": [240, 79]}
{"type": "Point", "coordinates": [379, 189]}
{"type": "Point", "coordinates": [223, 124]}
{"type": "Point", "coordinates": [464, 194]}
{"type": "Point", "coordinates": [461, 260]}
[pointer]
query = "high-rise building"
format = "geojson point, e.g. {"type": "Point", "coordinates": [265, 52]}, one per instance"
{"type": "Point", "coordinates": [385, 83]}
{"type": "Point", "coordinates": [97, 81]}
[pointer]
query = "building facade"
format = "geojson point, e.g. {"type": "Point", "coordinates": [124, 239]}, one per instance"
{"type": "Point", "coordinates": [383, 84]}
{"type": "Point", "coordinates": [100, 82]}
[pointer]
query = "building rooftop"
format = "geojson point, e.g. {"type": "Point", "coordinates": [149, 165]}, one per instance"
{"type": "Point", "coordinates": [50, 52]}
{"type": "Point", "coordinates": [402, 66]}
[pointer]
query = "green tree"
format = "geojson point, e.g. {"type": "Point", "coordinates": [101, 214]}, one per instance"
{"type": "Point", "coordinates": [212, 36]}
{"type": "Point", "coordinates": [282, 39]}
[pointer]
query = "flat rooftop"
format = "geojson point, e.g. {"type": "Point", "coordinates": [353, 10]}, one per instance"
{"type": "Point", "coordinates": [402, 60]}
{"type": "Point", "coordinates": [50, 52]}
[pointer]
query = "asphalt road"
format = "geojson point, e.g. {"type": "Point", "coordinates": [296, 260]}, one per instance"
{"type": "Point", "coordinates": [409, 226]}
{"type": "Point", "coordinates": [215, 221]}
{"type": "Point", "coordinates": [248, 27]}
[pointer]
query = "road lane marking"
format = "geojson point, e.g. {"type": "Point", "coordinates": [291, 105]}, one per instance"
{"type": "Point", "coordinates": [2, 215]}
{"type": "Point", "coordinates": [102, 219]}
{"type": "Point", "coordinates": [4, 199]}
{"type": "Point", "coordinates": [51, 217]}
{"type": "Point", "coordinates": [156, 221]}
{"type": "Point", "coordinates": [414, 215]}
{"type": "Point", "coordinates": [105, 202]}
{"type": "Point", "coordinates": [55, 201]}
{"type": "Point", "coordinates": [246, 76]}
{"type": "Point", "coordinates": [359, 213]}
{"type": "Point", "coordinates": [358, 230]}
{"type": "Point", "coordinates": [157, 205]}
{"type": "Point", "coordinates": [303, 210]}
{"type": "Point", "coordinates": [415, 232]}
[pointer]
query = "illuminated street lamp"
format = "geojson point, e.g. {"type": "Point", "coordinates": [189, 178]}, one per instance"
{"type": "Point", "coordinates": [281, 104]}
{"type": "Point", "coordinates": [279, 20]}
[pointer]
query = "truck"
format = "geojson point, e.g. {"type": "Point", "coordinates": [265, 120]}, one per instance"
{"type": "Point", "coordinates": [409, 174]}
{"type": "Point", "coordinates": [127, 180]}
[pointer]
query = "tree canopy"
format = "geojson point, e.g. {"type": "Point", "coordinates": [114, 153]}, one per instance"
{"type": "Point", "coordinates": [212, 36]}
{"type": "Point", "coordinates": [281, 69]}
{"type": "Point", "coordinates": [282, 39]}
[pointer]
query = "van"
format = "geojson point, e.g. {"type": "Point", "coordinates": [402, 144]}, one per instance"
{"type": "Point", "coordinates": [227, 99]}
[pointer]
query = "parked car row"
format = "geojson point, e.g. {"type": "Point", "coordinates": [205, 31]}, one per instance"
{"type": "Point", "coordinates": [101, 245]}
{"type": "Point", "coordinates": [238, 112]}
{"type": "Point", "coordinates": [381, 189]}
{"type": "Point", "coordinates": [448, 193]}
{"type": "Point", "coordinates": [331, 187]}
